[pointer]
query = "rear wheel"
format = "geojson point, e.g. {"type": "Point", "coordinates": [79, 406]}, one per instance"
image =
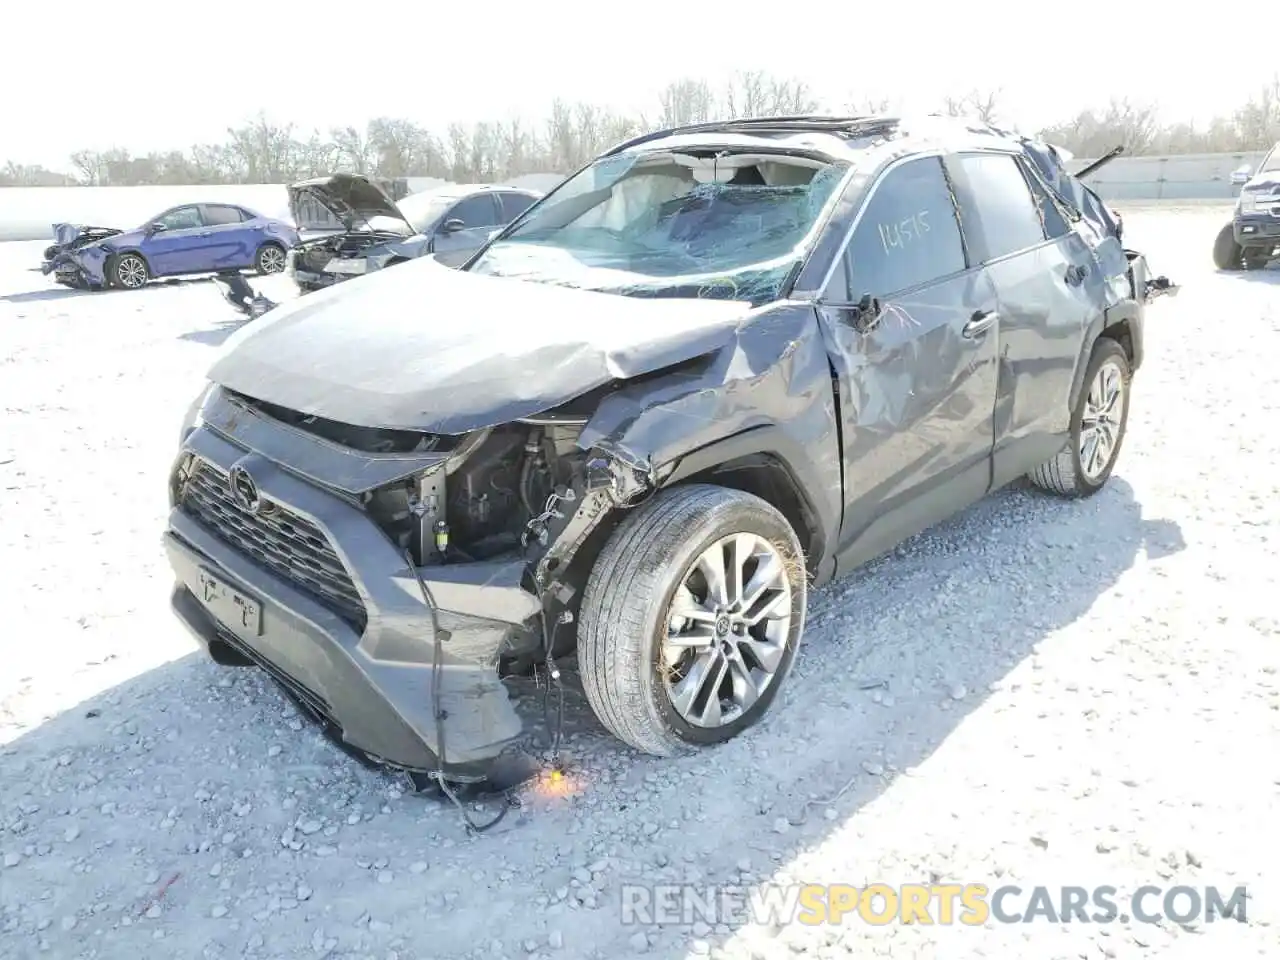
{"type": "Point", "coordinates": [130, 271]}
{"type": "Point", "coordinates": [270, 258]}
{"type": "Point", "coordinates": [1098, 425]}
{"type": "Point", "coordinates": [691, 618]}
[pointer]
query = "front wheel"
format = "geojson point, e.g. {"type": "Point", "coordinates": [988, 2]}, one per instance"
{"type": "Point", "coordinates": [1098, 426]}
{"type": "Point", "coordinates": [691, 618]}
{"type": "Point", "coordinates": [270, 258]}
{"type": "Point", "coordinates": [130, 271]}
{"type": "Point", "coordinates": [1227, 254]}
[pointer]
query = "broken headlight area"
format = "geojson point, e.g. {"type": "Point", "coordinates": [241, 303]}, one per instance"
{"type": "Point", "coordinates": [487, 501]}
{"type": "Point", "coordinates": [340, 253]}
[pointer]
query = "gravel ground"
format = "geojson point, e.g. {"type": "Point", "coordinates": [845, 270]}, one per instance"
{"type": "Point", "coordinates": [1037, 692]}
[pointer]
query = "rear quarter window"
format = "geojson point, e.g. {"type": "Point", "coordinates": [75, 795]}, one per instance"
{"type": "Point", "coordinates": [514, 204]}
{"type": "Point", "coordinates": [999, 214]}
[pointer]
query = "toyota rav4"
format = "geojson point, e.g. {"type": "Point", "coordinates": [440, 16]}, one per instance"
{"type": "Point", "coordinates": [716, 367]}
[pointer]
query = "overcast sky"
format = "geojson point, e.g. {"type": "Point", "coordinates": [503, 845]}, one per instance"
{"type": "Point", "coordinates": [147, 75]}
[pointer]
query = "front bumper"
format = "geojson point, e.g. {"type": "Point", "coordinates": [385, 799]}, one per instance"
{"type": "Point", "coordinates": [309, 279]}
{"type": "Point", "coordinates": [324, 601]}
{"type": "Point", "coordinates": [1257, 229]}
{"type": "Point", "coordinates": [70, 273]}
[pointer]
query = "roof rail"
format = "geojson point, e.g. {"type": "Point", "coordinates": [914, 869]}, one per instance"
{"type": "Point", "coordinates": [853, 126]}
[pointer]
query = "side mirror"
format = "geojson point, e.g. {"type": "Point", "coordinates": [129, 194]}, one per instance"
{"type": "Point", "coordinates": [1241, 175]}
{"type": "Point", "coordinates": [452, 225]}
{"type": "Point", "coordinates": [866, 315]}
{"type": "Point", "coordinates": [156, 227]}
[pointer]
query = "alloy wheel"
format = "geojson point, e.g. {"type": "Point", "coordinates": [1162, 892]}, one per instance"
{"type": "Point", "coordinates": [1100, 424]}
{"type": "Point", "coordinates": [727, 630]}
{"type": "Point", "coordinates": [271, 260]}
{"type": "Point", "coordinates": [131, 272]}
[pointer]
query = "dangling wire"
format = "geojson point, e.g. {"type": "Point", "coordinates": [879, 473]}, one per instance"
{"type": "Point", "coordinates": [440, 714]}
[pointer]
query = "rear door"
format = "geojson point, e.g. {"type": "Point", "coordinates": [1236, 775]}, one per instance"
{"type": "Point", "coordinates": [1043, 272]}
{"type": "Point", "coordinates": [176, 248]}
{"type": "Point", "coordinates": [478, 216]}
{"type": "Point", "coordinates": [513, 204]}
{"type": "Point", "coordinates": [232, 243]}
{"type": "Point", "coordinates": [917, 383]}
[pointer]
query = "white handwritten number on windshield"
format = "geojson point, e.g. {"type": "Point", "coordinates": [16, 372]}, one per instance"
{"type": "Point", "coordinates": [898, 235]}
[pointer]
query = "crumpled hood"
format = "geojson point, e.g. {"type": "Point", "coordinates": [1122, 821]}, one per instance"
{"type": "Point", "coordinates": [349, 197]}
{"type": "Point", "coordinates": [65, 234]}
{"type": "Point", "coordinates": [424, 347]}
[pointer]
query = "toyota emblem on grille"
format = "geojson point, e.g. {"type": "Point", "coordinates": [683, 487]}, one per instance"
{"type": "Point", "coordinates": [243, 490]}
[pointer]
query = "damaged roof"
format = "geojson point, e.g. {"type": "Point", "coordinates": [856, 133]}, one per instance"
{"type": "Point", "coordinates": [854, 140]}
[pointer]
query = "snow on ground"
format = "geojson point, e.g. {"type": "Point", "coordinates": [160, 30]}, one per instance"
{"type": "Point", "coordinates": [1070, 693]}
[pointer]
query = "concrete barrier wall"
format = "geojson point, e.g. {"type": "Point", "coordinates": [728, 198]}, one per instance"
{"type": "Point", "coordinates": [1203, 176]}
{"type": "Point", "coordinates": [28, 213]}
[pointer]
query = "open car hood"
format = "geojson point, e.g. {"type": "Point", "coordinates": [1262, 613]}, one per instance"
{"type": "Point", "coordinates": [423, 347]}
{"type": "Point", "coordinates": [352, 198]}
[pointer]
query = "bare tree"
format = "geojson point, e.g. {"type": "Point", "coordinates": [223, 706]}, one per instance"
{"type": "Point", "coordinates": [980, 105]}
{"type": "Point", "coordinates": [686, 101]}
{"type": "Point", "coordinates": [353, 151]}
{"type": "Point", "coordinates": [265, 151]}
{"type": "Point", "coordinates": [754, 93]}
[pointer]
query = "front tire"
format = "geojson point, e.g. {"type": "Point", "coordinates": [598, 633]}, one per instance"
{"type": "Point", "coordinates": [129, 271]}
{"type": "Point", "coordinates": [691, 618]}
{"type": "Point", "coordinates": [1098, 426]}
{"type": "Point", "coordinates": [1227, 254]}
{"type": "Point", "coordinates": [270, 259]}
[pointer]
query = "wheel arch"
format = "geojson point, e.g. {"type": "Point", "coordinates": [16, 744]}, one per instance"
{"type": "Point", "coordinates": [109, 265]}
{"type": "Point", "coordinates": [1122, 323]}
{"type": "Point", "coordinates": [764, 461]}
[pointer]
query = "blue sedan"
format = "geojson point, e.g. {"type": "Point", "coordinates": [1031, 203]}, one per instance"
{"type": "Point", "coordinates": [192, 239]}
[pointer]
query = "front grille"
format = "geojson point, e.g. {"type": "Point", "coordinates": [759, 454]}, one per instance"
{"type": "Point", "coordinates": [277, 538]}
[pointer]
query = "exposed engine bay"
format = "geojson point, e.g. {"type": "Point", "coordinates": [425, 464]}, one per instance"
{"type": "Point", "coordinates": [480, 505]}
{"type": "Point", "coordinates": [315, 254]}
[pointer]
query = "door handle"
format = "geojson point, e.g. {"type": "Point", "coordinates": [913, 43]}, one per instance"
{"type": "Point", "coordinates": [208, 233]}
{"type": "Point", "coordinates": [979, 324]}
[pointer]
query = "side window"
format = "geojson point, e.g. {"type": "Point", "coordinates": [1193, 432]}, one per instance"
{"type": "Point", "coordinates": [514, 204]}
{"type": "Point", "coordinates": [996, 207]}
{"type": "Point", "coordinates": [907, 234]}
{"type": "Point", "coordinates": [477, 211]}
{"type": "Point", "coordinates": [1052, 220]}
{"type": "Point", "coordinates": [181, 218]}
{"type": "Point", "coordinates": [216, 215]}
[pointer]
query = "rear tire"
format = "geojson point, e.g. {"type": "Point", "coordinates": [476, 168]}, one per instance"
{"type": "Point", "coordinates": [1227, 254]}
{"type": "Point", "coordinates": [1098, 425]}
{"type": "Point", "coordinates": [270, 258]}
{"type": "Point", "coordinates": [647, 645]}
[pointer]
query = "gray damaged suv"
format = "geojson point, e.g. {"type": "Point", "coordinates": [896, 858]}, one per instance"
{"type": "Point", "coordinates": [716, 367]}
